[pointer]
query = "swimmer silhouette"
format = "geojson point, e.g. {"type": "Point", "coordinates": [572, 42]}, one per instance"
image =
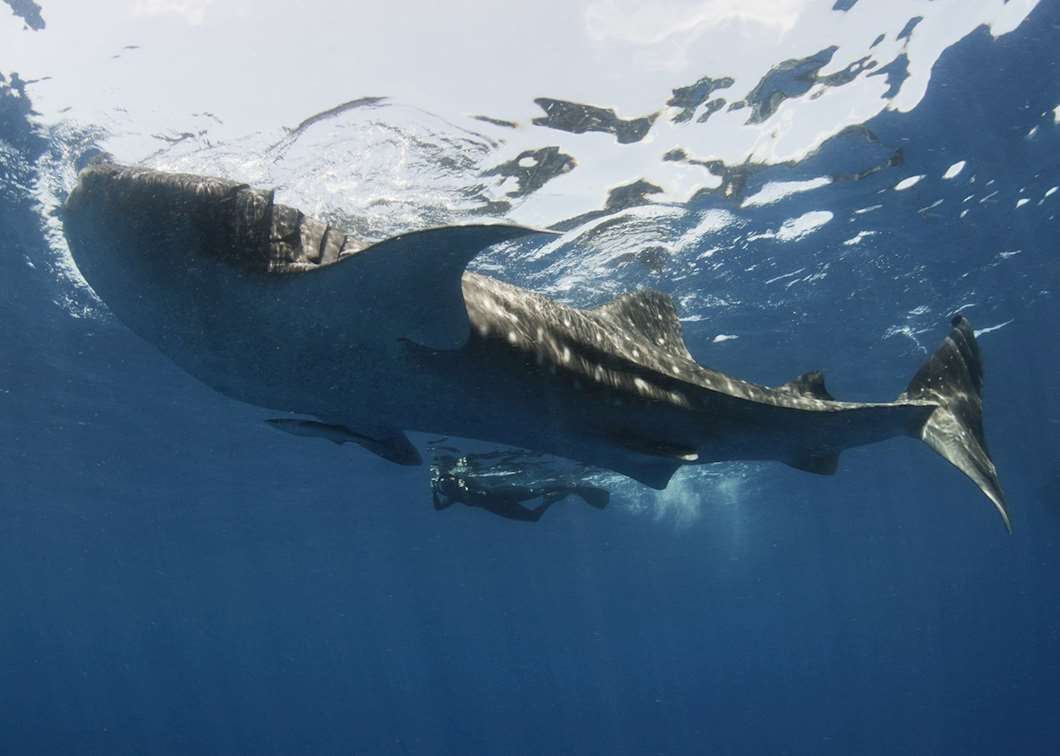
{"type": "Point", "coordinates": [506, 500]}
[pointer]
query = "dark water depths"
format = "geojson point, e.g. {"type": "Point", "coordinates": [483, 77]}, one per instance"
{"type": "Point", "coordinates": [176, 577]}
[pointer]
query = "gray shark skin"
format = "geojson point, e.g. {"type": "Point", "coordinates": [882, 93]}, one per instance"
{"type": "Point", "coordinates": [282, 311]}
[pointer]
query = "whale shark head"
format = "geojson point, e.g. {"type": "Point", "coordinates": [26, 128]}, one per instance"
{"type": "Point", "coordinates": [159, 253]}
{"type": "Point", "coordinates": [186, 262]}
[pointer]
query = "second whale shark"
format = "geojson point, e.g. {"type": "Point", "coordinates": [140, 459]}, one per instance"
{"type": "Point", "coordinates": [280, 310]}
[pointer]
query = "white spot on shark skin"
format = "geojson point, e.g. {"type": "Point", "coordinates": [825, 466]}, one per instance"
{"type": "Point", "coordinates": [513, 337]}
{"type": "Point", "coordinates": [868, 209]}
{"type": "Point", "coordinates": [908, 183]}
{"type": "Point", "coordinates": [1032, 133]}
{"type": "Point", "coordinates": [642, 385]}
{"type": "Point", "coordinates": [1056, 114]}
{"type": "Point", "coordinates": [1022, 202]}
{"type": "Point", "coordinates": [566, 355]}
{"type": "Point", "coordinates": [1050, 192]}
{"type": "Point", "coordinates": [857, 238]}
{"type": "Point", "coordinates": [954, 170]}
{"type": "Point", "coordinates": [527, 162]}
{"type": "Point", "coordinates": [964, 213]}
{"type": "Point", "coordinates": [1008, 254]}
{"type": "Point", "coordinates": [724, 337]}
{"type": "Point", "coordinates": [980, 331]}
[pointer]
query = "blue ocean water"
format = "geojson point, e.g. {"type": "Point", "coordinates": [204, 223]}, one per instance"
{"type": "Point", "coordinates": [176, 577]}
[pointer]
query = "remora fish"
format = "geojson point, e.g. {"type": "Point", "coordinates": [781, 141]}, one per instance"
{"type": "Point", "coordinates": [282, 311]}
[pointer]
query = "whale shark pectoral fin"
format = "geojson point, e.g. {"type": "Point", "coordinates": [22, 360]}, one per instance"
{"type": "Point", "coordinates": [336, 434]}
{"type": "Point", "coordinates": [819, 463]}
{"type": "Point", "coordinates": [406, 287]}
{"type": "Point", "coordinates": [391, 445]}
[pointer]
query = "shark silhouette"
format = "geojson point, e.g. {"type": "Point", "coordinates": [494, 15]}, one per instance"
{"type": "Point", "coordinates": [280, 310]}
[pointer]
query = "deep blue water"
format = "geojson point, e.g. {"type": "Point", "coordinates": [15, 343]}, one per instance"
{"type": "Point", "coordinates": [177, 578]}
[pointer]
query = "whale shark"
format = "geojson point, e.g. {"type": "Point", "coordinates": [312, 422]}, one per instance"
{"type": "Point", "coordinates": [368, 342]}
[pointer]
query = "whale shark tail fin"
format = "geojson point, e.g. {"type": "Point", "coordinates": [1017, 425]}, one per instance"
{"type": "Point", "coordinates": [952, 378]}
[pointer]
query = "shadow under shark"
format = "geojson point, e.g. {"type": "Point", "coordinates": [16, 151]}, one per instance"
{"type": "Point", "coordinates": [274, 308]}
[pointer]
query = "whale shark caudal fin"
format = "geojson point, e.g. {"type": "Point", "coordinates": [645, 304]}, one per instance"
{"type": "Point", "coordinates": [953, 378]}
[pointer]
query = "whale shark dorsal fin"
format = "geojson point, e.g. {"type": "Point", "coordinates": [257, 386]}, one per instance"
{"type": "Point", "coordinates": [651, 314]}
{"type": "Point", "coordinates": [809, 384]}
{"type": "Point", "coordinates": [408, 287]}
